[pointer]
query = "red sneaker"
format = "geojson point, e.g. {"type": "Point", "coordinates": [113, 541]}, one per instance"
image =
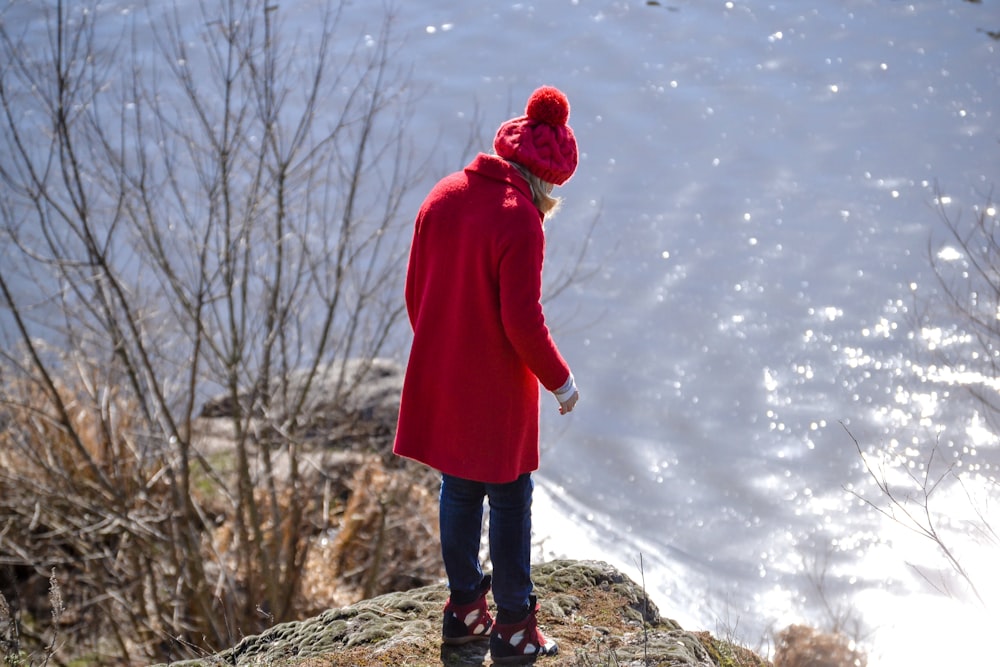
{"type": "Point", "coordinates": [468, 622]}
{"type": "Point", "coordinates": [520, 643]}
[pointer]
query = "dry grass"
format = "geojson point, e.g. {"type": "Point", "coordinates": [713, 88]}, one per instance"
{"type": "Point", "coordinates": [80, 493]}
{"type": "Point", "coordinates": [386, 540]}
{"type": "Point", "coordinates": [78, 496]}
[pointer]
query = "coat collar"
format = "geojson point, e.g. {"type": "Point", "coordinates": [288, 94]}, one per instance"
{"type": "Point", "coordinates": [499, 169]}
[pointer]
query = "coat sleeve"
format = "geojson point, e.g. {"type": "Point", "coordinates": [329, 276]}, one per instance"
{"type": "Point", "coordinates": [520, 281]}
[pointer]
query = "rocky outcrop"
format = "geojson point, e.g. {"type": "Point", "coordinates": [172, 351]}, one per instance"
{"type": "Point", "coordinates": [349, 403]}
{"type": "Point", "coordinates": [598, 615]}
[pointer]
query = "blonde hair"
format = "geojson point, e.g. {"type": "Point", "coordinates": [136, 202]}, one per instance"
{"type": "Point", "coordinates": [541, 192]}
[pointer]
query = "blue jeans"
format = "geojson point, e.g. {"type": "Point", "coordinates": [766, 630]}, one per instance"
{"type": "Point", "coordinates": [461, 522]}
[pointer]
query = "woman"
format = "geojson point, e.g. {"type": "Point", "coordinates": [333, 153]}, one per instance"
{"type": "Point", "coordinates": [470, 402]}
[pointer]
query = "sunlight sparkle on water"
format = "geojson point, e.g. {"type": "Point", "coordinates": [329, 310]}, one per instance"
{"type": "Point", "coordinates": [883, 329]}
{"type": "Point", "coordinates": [856, 357]}
{"type": "Point", "coordinates": [770, 382]}
{"type": "Point", "coordinates": [980, 433]}
{"type": "Point", "coordinates": [444, 27]}
{"type": "Point", "coordinates": [949, 254]}
{"type": "Point", "coordinates": [950, 376]}
{"type": "Point", "coordinates": [829, 313]}
{"type": "Point", "coordinates": [936, 337]}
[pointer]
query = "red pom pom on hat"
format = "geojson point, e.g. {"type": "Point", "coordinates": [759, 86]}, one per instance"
{"type": "Point", "coordinates": [548, 105]}
{"type": "Point", "coordinates": [541, 141]}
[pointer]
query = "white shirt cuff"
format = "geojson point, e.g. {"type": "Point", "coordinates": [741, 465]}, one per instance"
{"type": "Point", "coordinates": [567, 390]}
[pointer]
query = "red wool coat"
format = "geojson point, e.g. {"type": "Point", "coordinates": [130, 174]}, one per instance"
{"type": "Point", "coordinates": [470, 400]}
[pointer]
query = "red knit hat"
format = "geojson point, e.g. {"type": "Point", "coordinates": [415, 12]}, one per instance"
{"type": "Point", "coordinates": [540, 140]}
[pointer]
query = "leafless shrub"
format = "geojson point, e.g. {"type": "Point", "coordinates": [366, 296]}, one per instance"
{"type": "Point", "coordinates": [909, 504]}
{"type": "Point", "coordinates": [196, 210]}
{"type": "Point", "coordinates": [219, 217]}
{"type": "Point", "coordinates": [968, 299]}
{"type": "Point", "coordinates": [966, 307]}
{"type": "Point", "coordinates": [837, 616]}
